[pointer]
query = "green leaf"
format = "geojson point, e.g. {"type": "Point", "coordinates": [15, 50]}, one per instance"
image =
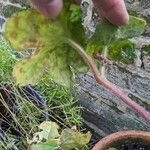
{"type": "Point", "coordinates": [122, 51]}
{"type": "Point", "coordinates": [49, 134]}
{"type": "Point", "coordinates": [47, 37]}
{"type": "Point", "coordinates": [60, 71]}
{"type": "Point", "coordinates": [94, 47]}
{"type": "Point", "coordinates": [75, 13]}
{"type": "Point", "coordinates": [54, 62]}
{"type": "Point", "coordinates": [76, 61]}
{"type": "Point", "coordinates": [73, 139]}
{"type": "Point", "coordinates": [50, 129]}
{"type": "Point", "coordinates": [47, 139]}
{"type": "Point", "coordinates": [44, 146]}
{"type": "Point", "coordinates": [29, 70]}
{"type": "Point", "coordinates": [7, 60]}
{"type": "Point", "coordinates": [71, 20]}
{"type": "Point", "coordinates": [106, 33]}
{"type": "Point", "coordinates": [30, 29]}
{"type": "Point", "coordinates": [135, 27]}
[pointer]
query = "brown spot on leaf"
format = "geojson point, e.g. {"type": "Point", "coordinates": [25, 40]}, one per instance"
{"type": "Point", "coordinates": [13, 34]}
{"type": "Point", "coordinates": [21, 70]}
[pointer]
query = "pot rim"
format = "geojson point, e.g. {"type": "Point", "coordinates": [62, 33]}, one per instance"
{"type": "Point", "coordinates": [106, 141]}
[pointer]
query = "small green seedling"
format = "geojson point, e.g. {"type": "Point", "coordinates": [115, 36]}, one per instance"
{"type": "Point", "coordinates": [61, 44]}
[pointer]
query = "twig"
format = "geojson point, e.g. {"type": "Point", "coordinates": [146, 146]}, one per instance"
{"type": "Point", "coordinates": [145, 114]}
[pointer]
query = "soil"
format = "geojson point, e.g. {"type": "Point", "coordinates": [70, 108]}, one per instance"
{"type": "Point", "coordinates": [136, 144]}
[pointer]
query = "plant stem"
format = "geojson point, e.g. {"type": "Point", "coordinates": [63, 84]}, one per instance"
{"type": "Point", "coordinates": [105, 51]}
{"type": "Point", "coordinates": [108, 140]}
{"type": "Point", "coordinates": [114, 89]}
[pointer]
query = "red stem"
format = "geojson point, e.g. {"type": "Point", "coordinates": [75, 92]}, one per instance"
{"type": "Point", "coordinates": [145, 114]}
{"type": "Point", "coordinates": [108, 140]}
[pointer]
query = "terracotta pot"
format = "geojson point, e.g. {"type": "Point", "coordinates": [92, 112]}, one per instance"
{"type": "Point", "coordinates": [104, 143]}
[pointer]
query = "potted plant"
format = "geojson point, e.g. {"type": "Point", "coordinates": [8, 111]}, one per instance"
{"type": "Point", "coordinates": [124, 140]}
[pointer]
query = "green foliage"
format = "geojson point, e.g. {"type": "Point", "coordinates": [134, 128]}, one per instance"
{"type": "Point", "coordinates": [114, 39]}
{"type": "Point", "coordinates": [73, 139]}
{"type": "Point", "coordinates": [50, 38]}
{"type": "Point", "coordinates": [49, 138]}
{"type": "Point", "coordinates": [60, 107]}
{"type": "Point", "coordinates": [48, 133]}
{"type": "Point", "coordinates": [146, 48]}
{"type": "Point", "coordinates": [135, 27]}
{"type": "Point", "coordinates": [45, 146]}
{"type": "Point", "coordinates": [75, 13]}
{"type": "Point", "coordinates": [75, 26]}
{"type": "Point", "coordinates": [32, 31]}
{"type": "Point", "coordinates": [122, 51]}
{"type": "Point", "coordinates": [53, 62]}
{"type": "Point", "coordinates": [7, 60]}
{"type": "Point", "coordinates": [106, 33]}
{"type": "Point", "coordinates": [61, 102]}
{"type": "Point", "coordinates": [93, 47]}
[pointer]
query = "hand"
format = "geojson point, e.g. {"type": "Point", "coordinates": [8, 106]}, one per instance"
{"type": "Point", "coordinates": [113, 10]}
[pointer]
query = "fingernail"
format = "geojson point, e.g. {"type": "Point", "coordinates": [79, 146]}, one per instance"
{"type": "Point", "coordinates": [113, 10]}
{"type": "Point", "coordinates": [117, 17]}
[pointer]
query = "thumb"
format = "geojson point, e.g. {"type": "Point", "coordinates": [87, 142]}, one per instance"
{"type": "Point", "coordinates": [50, 8]}
{"type": "Point", "coordinates": [113, 10]}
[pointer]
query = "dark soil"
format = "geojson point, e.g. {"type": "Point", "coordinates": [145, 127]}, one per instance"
{"type": "Point", "coordinates": [130, 144]}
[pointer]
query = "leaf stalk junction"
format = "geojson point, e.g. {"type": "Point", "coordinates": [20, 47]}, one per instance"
{"type": "Point", "coordinates": [111, 87]}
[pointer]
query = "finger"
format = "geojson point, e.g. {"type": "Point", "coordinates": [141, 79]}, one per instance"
{"type": "Point", "coordinates": [50, 8]}
{"type": "Point", "coordinates": [113, 10]}
{"type": "Point", "coordinates": [78, 1]}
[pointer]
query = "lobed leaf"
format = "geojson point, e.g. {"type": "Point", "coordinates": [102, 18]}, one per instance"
{"type": "Point", "coordinates": [122, 51]}
{"type": "Point", "coordinates": [49, 133]}
{"type": "Point", "coordinates": [54, 62]}
{"type": "Point", "coordinates": [135, 27]}
{"type": "Point", "coordinates": [47, 38]}
{"type": "Point", "coordinates": [73, 139]}
{"type": "Point", "coordinates": [106, 33]}
{"type": "Point", "coordinates": [30, 29]}
{"type": "Point", "coordinates": [47, 138]}
{"type": "Point", "coordinates": [44, 146]}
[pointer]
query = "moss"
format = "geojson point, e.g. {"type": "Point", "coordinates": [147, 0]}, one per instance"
{"type": "Point", "coordinates": [7, 60]}
{"type": "Point", "coordinates": [146, 48]}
